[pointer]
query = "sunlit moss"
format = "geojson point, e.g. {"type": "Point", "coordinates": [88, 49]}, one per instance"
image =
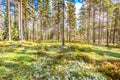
{"type": "Point", "coordinates": [49, 60]}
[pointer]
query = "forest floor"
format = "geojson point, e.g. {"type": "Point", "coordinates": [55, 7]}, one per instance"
{"type": "Point", "coordinates": [50, 61]}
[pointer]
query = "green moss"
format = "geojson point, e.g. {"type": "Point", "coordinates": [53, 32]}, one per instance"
{"type": "Point", "coordinates": [49, 60]}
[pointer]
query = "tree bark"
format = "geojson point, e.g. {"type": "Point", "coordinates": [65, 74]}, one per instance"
{"type": "Point", "coordinates": [41, 30]}
{"type": "Point", "coordinates": [63, 41]}
{"type": "Point", "coordinates": [69, 34]}
{"type": "Point", "coordinates": [107, 40]}
{"type": "Point", "coordinates": [8, 19]}
{"type": "Point", "coordinates": [88, 24]}
{"type": "Point", "coordinates": [20, 20]}
{"type": "Point", "coordinates": [114, 31]}
{"type": "Point", "coordinates": [94, 27]}
{"type": "Point", "coordinates": [99, 28]}
{"type": "Point", "coordinates": [33, 29]}
{"type": "Point", "coordinates": [26, 21]}
{"type": "Point", "coordinates": [58, 21]}
{"type": "Point", "coordinates": [102, 27]}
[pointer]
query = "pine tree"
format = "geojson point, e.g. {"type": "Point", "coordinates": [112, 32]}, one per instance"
{"type": "Point", "coordinates": [20, 20]}
{"type": "Point", "coordinates": [71, 18]}
{"type": "Point", "coordinates": [8, 19]}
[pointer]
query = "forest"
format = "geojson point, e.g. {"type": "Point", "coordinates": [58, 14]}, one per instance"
{"type": "Point", "coordinates": [59, 39]}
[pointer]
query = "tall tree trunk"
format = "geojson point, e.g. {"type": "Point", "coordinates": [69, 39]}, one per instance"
{"type": "Point", "coordinates": [54, 30]}
{"type": "Point", "coordinates": [19, 23]}
{"type": "Point", "coordinates": [58, 32]}
{"type": "Point", "coordinates": [99, 29]}
{"type": "Point", "coordinates": [110, 31]}
{"type": "Point", "coordinates": [23, 22]}
{"type": "Point", "coordinates": [69, 31]}
{"type": "Point", "coordinates": [48, 28]}
{"type": "Point", "coordinates": [33, 29]}
{"type": "Point", "coordinates": [15, 19]}
{"type": "Point", "coordinates": [69, 34]}
{"type": "Point", "coordinates": [41, 30]}
{"type": "Point", "coordinates": [107, 26]}
{"type": "Point", "coordinates": [33, 36]}
{"type": "Point", "coordinates": [114, 31]}
{"type": "Point", "coordinates": [20, 20]}
{"type": "Point", "coordinates": [102, 27]}
{"type": "Point", "coordinates": [63, 41]}
{"type": "Point", "coordinates": [94, 27]}
{"type": "Point", "coordinates": [8, 20]}
{"type": "Point", "coordinates": [88, 24]}
{"type": "Point", "coordinates": [58, 21]}
{"type": "Point", "coordinates": [26, 21]}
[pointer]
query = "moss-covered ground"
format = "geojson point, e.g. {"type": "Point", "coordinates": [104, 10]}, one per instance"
{"type": "Point", "coordinates": [50, 61]}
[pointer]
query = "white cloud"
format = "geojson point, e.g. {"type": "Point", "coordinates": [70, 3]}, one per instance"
{"type": "Point", "coordinates": [77, 8]}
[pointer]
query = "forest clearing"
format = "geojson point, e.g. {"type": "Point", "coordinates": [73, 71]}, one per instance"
{"type": "Point", "coordinates": [50, 61]}
{"type": "Point", "coordinates": [59, 39]}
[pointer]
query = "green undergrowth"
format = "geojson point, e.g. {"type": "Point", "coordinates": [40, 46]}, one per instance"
{"type": "Point", "coordinates": [49, 61]}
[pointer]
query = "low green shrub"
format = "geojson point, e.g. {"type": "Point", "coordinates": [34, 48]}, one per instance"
{"type": "Point", "coordinates": [2, 70]}
{"type": "Point", "coordinates": [41, 52]}
{"type": "Point", "coordinates": [85, 49]}
{"type": "Point", "coordinates": [1, 62]}
{"type": "Point", "coordinates": [84, 57]}
{"type": "Point", "coordinates": [47, 48]}
{"type": "Point", "coordinates": [55, 46]}
{"type": "Point", "coordinates": [101, 53]}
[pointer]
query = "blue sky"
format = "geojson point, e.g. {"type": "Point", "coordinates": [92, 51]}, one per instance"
{"type": "Point", "coordinates": [78, 4]}
{"type": "Point", "coordinates": [78, 1]}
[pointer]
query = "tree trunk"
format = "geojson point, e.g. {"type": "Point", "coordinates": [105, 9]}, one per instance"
{"type": "Point", "coordinates": [26, 21]}
{"type": "Point", "coordinates": [102, 27]}
{"type": "Point", "coordinates": [88, 24]}
{"type": "Point", "coordinates": [8, 20]}
{"type": "Point", "coordinates": [69, 34]}
{"type": "Point", "coordinates": [63, 41]}
{"type": "Point", "coordinates": [58, 32]}
{"type": "Point", "coordinates": [20, 20]}
{"type": "Point", "coordinates": [94, 27]}
{"type": "Point", "coordinates": [41, 30]}
{"type": "Point", "coordinates": [58, 21]}
{"type": "Point", "coordinates": [107, 40]}
{"type": "Point", "coordinates": [99, 29]}
{"type": "Point", "coordinates": [15, 18]}
{"type": "Point", "coordinates": [33, 29]}
{"type": "Point", "coordinates": [114, 31]}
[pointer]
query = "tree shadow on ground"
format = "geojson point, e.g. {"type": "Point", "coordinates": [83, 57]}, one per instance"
{"type": "Point", "coordinates": [97, 51]}
{"type": "Point", "coordinates": [24, 59]}
{"type": "Point", "coordinates": [10, 65]}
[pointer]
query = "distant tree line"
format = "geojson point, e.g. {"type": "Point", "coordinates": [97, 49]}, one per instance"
{"type": "Point", "coordinates": [98, 22]}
